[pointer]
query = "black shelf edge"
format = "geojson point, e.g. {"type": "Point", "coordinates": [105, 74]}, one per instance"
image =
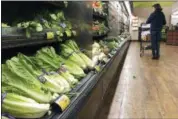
{"type": "Point", "coordinates": [7, 44]}
{"type": "Point", "coordinates": [79, 101]}
{"type": "Point", "coordinates": [19, 40]}
{"type": "Point", "coordinates": [75, 100]}
{"type": "Point", "coordinates": [100, 36]}
{"type": "Point", "coordinates": [99, 16]}
{"type": "Point", "coordinates": [82, 82]}
{"type": "Point", "coordinates": [76, 103]}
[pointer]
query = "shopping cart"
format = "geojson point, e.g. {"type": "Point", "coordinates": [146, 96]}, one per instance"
{"type": "Point", "coordinates": [144, 30]}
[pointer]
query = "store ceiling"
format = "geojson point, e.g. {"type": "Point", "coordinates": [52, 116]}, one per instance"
{"type": "Point", "coordinates": [150, 4]}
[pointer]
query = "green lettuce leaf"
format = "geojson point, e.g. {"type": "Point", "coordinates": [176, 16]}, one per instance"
{"type": "Point", "coordinates": [51, 80]}
{"type": "Point", "coordinates": [15, 78]}
{"type": "Point", "coordinates": [72, 56]}
{"type": "Point", "coordinates": [23, 107]}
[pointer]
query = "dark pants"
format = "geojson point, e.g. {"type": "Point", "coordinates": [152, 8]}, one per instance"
{"type": "Point", "coordinates": [155, 43]}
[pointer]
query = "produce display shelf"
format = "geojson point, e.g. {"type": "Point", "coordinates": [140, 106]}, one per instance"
{"type": "Point", "coordinates": [14, 40]}
{"type": "Point", "coordinates": [83, 94]}
{"type": "Point", "coordinates": [6, 44]}
{"type": "Point", "coordinates": [99, 36]}
{"type": "Point", "coordinates": [19, 40]}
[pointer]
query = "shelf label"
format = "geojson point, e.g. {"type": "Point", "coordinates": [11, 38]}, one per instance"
{"type": "Point", "coordinates": [63, 102]}
{"type": "Point", "coordinates": [63, 25]}
{"type": "Point", "coordinates": [49, 35]}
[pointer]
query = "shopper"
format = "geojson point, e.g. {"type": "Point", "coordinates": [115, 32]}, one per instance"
{"type": "Point", "coordinates": [157, 20]}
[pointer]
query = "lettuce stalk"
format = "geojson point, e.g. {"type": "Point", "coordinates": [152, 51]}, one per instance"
{"type": "Point", "coordinates": [48, 62]}
{"type": "Point", "coordinates": [72, 44]}
{"type": "Point", "coordinates": [72, 56]}
{"type": "Point", "coordinates": [52, 80]}
{"type": "Point", "coordinates": [15, 78]}
{"type": "Point", "coordinates": [58, 61]}
{"type": "Point", "coordinates": [23, 107]}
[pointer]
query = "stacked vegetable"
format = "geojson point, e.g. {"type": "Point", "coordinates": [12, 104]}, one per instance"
{"type": "Point", "coordinates": [4, 25]}
{"type": "Point", "coordinates": [104, 49]}
{"type": "Point", "coordinates": [31, 83]}
{"type": "Point", "coordinates": [55, 24]}
{"type": "Point", "coordinates": [124, 35]}
{"type": "Point", "coordinates": [98, 8]}
{"type": "Point", "coordinates": [99, 28]}
{"type": "Point", "coordinates": [97, 54]}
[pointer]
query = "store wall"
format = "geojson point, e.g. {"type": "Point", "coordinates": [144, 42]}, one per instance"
{"type": "Point", "coordinates": [175, 7]}
{"type": "Point", "coordinates": [143, 14]}
{"type": "Point", "coordinates": [174, 18]}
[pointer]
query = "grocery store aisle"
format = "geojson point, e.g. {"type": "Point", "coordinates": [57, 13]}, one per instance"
{"type": "Point", "coordinates": [147, 88]}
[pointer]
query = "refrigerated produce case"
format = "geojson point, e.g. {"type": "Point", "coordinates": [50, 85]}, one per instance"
{"type": "Point", "coordinates": [85, 97]}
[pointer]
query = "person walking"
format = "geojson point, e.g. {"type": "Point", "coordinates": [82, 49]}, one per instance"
{"type": "Point", "coordinates": [157, 20]}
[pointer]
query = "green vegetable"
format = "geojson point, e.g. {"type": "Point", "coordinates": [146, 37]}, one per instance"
{"type": "Point", "coordinates": [47, 59]}
{"type": "Point", "coordinates": [31, 26]}
{"type": "Point", "coordinates": [87, 60]}
{"type": "Point", "coordinates": [16, 79]}
{"type": "Point", "coordinates": [3, 25]}
{"type": "Point", "coordinates": [68, 33]}
{"type": "Point", "coordinates": [63, 85]}
{"type": "Point", "coordinates": [53, 16]}
{"type": "Point", "coordinates": [74, 33]}
{"type": "Point", "coordinates": [72, 56]}
{"type": "Point", "coordinates": [23, 107]}
{"type": "Point", "coordinates": [72, 67]}
{"type": "Point", "coordinates": [70, 78]}
{"type": "Point", "coordinates": [60, 15]}
{"type": "Point", "coordinates": [72, 44]}
{"type": "Point", "coordinates": [45, 23]}
{"type": "Point", "coordinates": [66, 3]}
{"type": "Point", "coordinates": [39, 27]}
{"type": "Point", "coordinates": [68, 24]}
{"type": "Point", "coordinates": [52, 81]}
{"type": "Point", "coordinates": [112, 45]}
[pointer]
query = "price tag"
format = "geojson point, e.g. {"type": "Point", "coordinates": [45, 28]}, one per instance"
{"type": "Point", "coordinates": [43, 20]}
{"type": "Point", "coordinates": [63, 102]}
{"type": "Point", "coordinates": [62, 69]}
{"type": "Point", "coordinates": [42, 79]}
{"type": "Point", "coordinates": [97, 68]}
{"type": "Point", "coordinates": [63, 25]}
{"type": "Point", "coordinates": [49, 35]}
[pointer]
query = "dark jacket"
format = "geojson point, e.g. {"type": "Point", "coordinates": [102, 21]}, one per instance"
{"type": "Point", "coordinates": [157, 20]}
